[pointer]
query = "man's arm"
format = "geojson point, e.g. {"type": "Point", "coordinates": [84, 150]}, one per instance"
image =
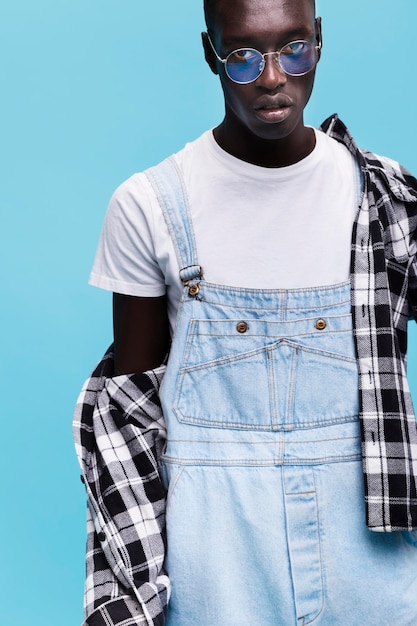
{"type": "Point", "coordinates": [141, 333]}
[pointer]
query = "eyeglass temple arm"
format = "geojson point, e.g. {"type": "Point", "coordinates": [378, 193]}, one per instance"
{"type": "Point", "coordinates": [214, 50]}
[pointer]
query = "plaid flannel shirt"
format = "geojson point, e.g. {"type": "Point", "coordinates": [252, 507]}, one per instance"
{"type": "Point", "coordinates": [119, 433]}
{"type": "Point", "coordinates": [119, 429]}
{"type": "Point", "coordinates": [384, 297]}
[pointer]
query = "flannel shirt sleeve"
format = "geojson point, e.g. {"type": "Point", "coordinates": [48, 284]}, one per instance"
{"type": "Point", "coordinates": [119, 433]}
{"type": "Point", "coordinates": [401, 231]}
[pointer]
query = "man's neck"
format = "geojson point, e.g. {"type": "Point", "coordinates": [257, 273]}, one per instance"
{"type": "Point", "coordinates": [263, 152]}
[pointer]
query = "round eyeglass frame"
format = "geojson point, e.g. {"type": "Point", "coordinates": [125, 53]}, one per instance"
{"type": "Point", "coordinates": [262, 63]}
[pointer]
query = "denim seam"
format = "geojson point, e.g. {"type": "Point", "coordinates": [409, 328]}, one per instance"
{"type": "Point", "coordinates": [209, 423]}
{"type": "Point", "coordinates": [272, 389]}
{"type": "Point", "coordinates": [225, 360]}
{"type": "Point", "coordinates": [291, 388]}
{"type": "Point", "coordinates": [246, 307]}
{"type": "Point", "coordinates": [331, 290]}
{"type": "Point", "coordinates": [188, 342]}
{"type": "Point", "coordinates": [246, 337]}
{"type": "Point", "coordinates": [263, 443]}
{"type": "Point", "coordinates": [230, 462]}
{"type": "Point", "coordinates": [241, 356]}
{"type": "Point", "coordinates": [319, 423]}
{"type": "Point", "coordinates": [311, 621]}
{"type": "Point", "coordinates": [174, 481]}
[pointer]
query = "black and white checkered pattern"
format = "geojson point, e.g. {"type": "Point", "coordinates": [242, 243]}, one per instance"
{"type": "Point", "coordinates": [119, 433]}
{"type": "Point", "coordinates": [119, 429]}
{"type": "Point", "coordinates": [384, 297]}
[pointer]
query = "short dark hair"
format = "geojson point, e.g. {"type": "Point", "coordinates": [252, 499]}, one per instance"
{"type": "Point", "coordinates": [209, 11]}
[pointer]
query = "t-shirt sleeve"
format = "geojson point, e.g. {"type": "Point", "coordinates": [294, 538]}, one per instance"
{"type": "Point", "coordinates": [125, 260]}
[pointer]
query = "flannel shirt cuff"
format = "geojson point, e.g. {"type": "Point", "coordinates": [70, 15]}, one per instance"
{"type": "Point", "coordinates": [127, 611]}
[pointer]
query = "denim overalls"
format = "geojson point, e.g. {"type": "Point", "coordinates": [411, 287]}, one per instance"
{"type": "Point", "coordinates": [265, 514]}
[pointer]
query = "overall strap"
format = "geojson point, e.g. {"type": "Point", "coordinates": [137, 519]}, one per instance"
{"type": "Point", "coordinates": [168, 183]}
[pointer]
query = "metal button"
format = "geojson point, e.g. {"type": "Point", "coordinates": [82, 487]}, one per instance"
{"type": "Point", "coordinates": [321, 324]}
{"type": "Point", "coordinates": [242, 327]}
{"type": "Point", "coordinates": [193, 290]}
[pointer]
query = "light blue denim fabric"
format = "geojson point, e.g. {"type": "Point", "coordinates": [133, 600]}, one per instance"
{"type": "Point", "coordinates": [265, 515]}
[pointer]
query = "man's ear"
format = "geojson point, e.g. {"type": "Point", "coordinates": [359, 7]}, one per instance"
{"type": "Point", "coordinates": [209, 54]}
{"type": "Point", "coordinates": [319, 35]}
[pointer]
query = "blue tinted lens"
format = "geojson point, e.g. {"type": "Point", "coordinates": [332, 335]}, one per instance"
{"type": "Point", "coordinates": [298, 57]}
{"type": "Point", "coordinates": [244, 65]}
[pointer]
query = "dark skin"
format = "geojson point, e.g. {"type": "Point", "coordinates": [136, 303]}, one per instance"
{"type": "Point", "coordinates": [246, 132]}
{"type": "Point", "coordinates": [263, 124]}
{"type": "Point", "coordinates": [141, 333]}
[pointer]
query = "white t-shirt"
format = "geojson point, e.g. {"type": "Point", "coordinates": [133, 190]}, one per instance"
{"type": "Point", "coordinates": [255, 227]}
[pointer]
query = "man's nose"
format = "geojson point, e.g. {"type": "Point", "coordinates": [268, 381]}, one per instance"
{"type": "Point", "coordinates": [273, 75]}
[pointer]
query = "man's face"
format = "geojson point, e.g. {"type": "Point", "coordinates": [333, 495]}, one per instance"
{"type": "Point", "coordinates": [271, 107]}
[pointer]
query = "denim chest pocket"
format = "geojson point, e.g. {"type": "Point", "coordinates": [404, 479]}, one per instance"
{"type": "Point", "coordinates": [324, 387]}
{"type": "Point", "coordinates": [264, 381]}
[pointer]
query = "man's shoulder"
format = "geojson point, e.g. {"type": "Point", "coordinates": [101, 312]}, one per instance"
{"type": "Point", "coordinates": [385, 172]}
{"type": "Point", "coordinates": [192, 151]}
{"type": "Point", "coordinates": [390, 177]}
{"type": "Point", "coordinates": [137, 184]}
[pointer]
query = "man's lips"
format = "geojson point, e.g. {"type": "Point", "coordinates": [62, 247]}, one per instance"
{"type": "Point", "coordinates": [273, 109]}
{"type": "Point", "coordinates": [273, 103]}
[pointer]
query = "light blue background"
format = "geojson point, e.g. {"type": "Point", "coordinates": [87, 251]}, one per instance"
{"type": "Point", "coordinates": [91, 91]}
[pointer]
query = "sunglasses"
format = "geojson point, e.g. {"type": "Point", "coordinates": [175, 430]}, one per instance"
{"type": "Point", "coordinates": [245, 65]}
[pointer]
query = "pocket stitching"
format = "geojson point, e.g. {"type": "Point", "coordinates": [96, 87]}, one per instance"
{"type": "Point", "coordinates": [325, 353]}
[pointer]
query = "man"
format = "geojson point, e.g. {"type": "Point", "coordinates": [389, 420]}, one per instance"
{"type": "Point", "coordinates": [288, 349]}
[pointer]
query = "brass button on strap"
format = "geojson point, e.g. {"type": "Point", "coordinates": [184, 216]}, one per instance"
{"type": "Point", "coordinates": [242, 327]}
{"type": "Point", "coordinates": [193, 290]}
{"type": "Point", "coordinates": [321, 324]}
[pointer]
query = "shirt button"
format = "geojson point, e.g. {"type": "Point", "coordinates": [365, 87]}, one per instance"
{"type": "Point", "coordinates": [101, 536]}
{"type": "Point", "coordinates": [242, 327]}
{"type": "Point", "coordinates": [321, 324]}
{"type": "Point", "coordinates": [193, 290]}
